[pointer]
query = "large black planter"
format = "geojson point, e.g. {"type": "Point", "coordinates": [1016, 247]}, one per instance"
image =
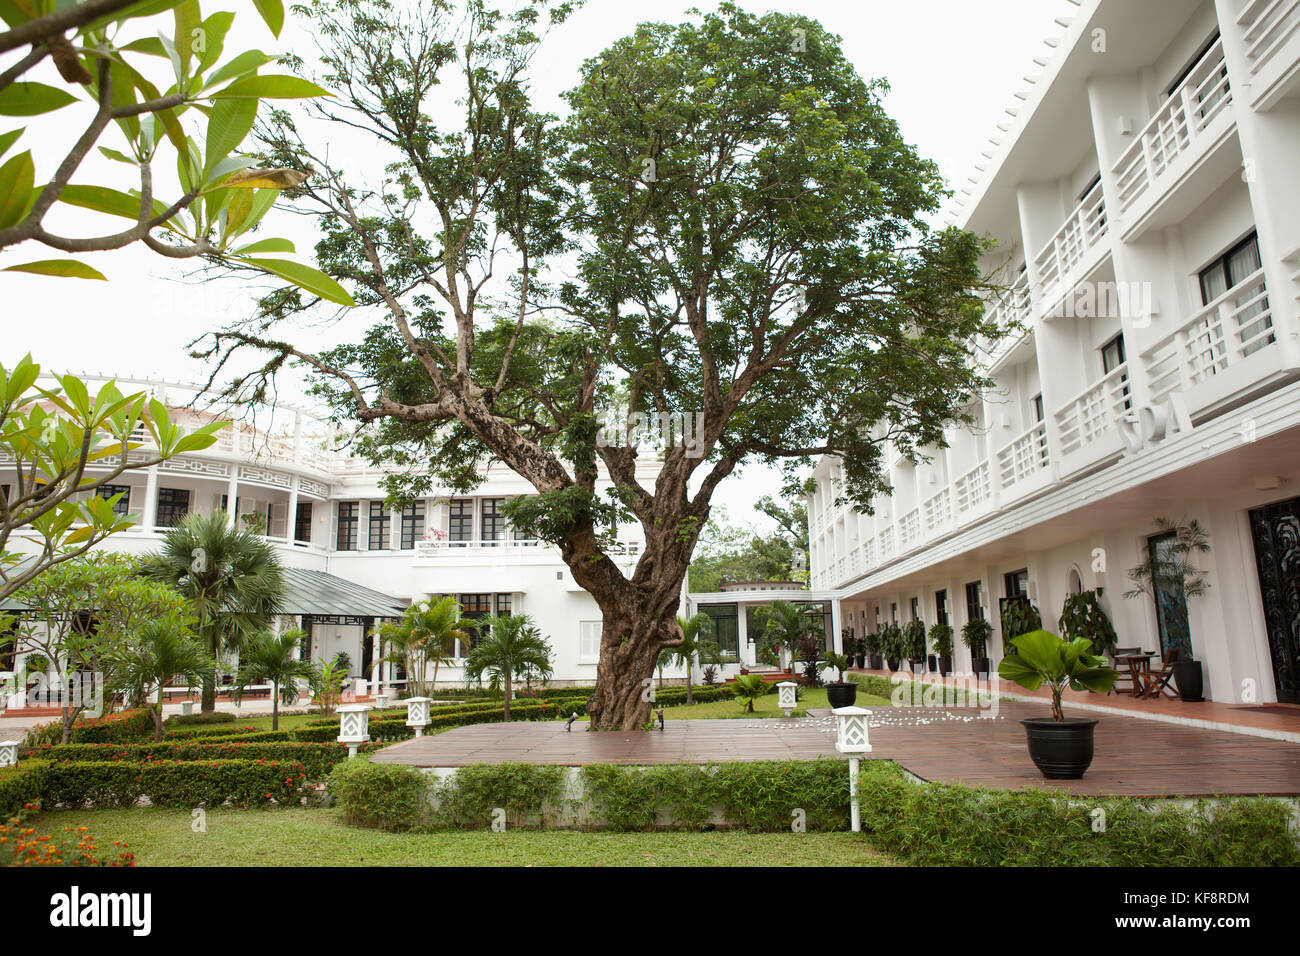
{"type": "Point", "coordinates": [861, 660]}
{"type": "Point", "coordinates": [841, 694]}
{"type": "Point", "coordinates": [1189, 680]}
{"type": "Point", "coordinates": [945, 666]}
{"type": "Point", "coordinates": [1061, 749]}
{"type": "Point", "coordinates": [933, 661]}
{"type": "Point", "coordinates": [980, 665]}
{"type": "Point", "coordinates": [893, 663]}
{"type": "Point", "coordinates": [877, 662]}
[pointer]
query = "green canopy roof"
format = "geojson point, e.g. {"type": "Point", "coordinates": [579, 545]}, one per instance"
{"type": "Point", "coordinates": [315, 592]}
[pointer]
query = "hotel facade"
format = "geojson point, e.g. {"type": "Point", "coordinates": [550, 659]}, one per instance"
{"type": "Point", "coordinates": [1142, 192]}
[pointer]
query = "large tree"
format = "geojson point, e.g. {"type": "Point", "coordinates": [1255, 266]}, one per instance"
{"type": "Point", "coordinates": [726, 225]}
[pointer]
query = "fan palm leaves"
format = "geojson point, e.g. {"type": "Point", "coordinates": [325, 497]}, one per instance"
{"type": "Point", "coordinates": [267, 659]}
{"type": "Point", "coordinates": [164, 649]}
{"type": "Point", "coordinates": [784, 624]}
{"type": "Point", "coordinates": [231, 579]}
{"type": "Point", "coordinates": [425, 634]}
{"type": "Point", "coordinates": [510, 647]}
{"type": "Point", "coordinates": [697, 644]}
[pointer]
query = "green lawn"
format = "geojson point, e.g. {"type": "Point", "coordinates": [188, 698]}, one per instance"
{"type": "Point", "coordinates": [301, 837]}
{"type": "Point", "coordinates": [287, 722]}
{"type": "Point", "coordinates": [764, 707]}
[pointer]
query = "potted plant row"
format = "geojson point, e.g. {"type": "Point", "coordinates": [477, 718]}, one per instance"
{"type": "Point", "coordinates": [914, 645]}
{"type": "Point", "coordinates": [975, 634]}
{"type": "Point", "coordinates": [941, 641]}
{"type": "Point", "coordinates": [891, 645]}
{"type": "Point", "coordinates": [872, 645]}
{"type": "Point", "coordinates": [841, 692]}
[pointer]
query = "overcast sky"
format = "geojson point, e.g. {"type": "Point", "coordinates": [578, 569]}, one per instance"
{"type": "Point", "coordinates": [954, 66]}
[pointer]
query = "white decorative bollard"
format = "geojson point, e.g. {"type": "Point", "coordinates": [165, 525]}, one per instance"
{"type": "Point", "coordinates": [354, 726]}
{"type": "Point", "coordinates": [417, 714]}
{"type": "Point", "coordinates": [187, 707]}
{"type": "Point", "coordinates": [381, 700]}
{"type": "Point", "coordinates": [360, 687]}
{"type": "Point", "coordinates": [851, 738]}
{"type": "Point", "coordinates": [8, 753]}
{"type": "Point", "coordinates": [787, 696]}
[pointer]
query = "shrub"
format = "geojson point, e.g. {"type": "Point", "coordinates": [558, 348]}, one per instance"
{"type": "Point", "coordinates": [523, 790]}
{"type": "Point", "coordinates": [175, 783]}
{"type": "Point", "coordinates": [21, 845]}
{"type": "Point", "coordinates": [317, 759]}
{"type": "Point", "coordinates": [381, 795]}
{"type": "Point", "coordinates": [200, 719]}
{"type": "Point", "coordinates": [20, 786]}
{"type": "Point", "coordinates": [122, 727]}
{"type": "Point", "coordinates": [952, 825]}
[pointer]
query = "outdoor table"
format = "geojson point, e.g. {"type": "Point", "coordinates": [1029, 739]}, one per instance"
{"type": "Point", "coordinates": [1139, 668]}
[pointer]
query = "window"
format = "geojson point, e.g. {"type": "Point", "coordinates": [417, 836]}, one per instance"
{"type": "Point", "coordinates": [349, 518]}
{"type": "Point", "coordinates": [1212, 92]}
{"type": "Point", "coordinates": [412, 524]}
{"type": "Point", "coordinates": [460, 526]}
{"type": "Point", "coordinates": [726, 627]}
{"type": "Point", "coordinates": [974, 608]}
{"type": "Point", "coordinates": [1170, 597]}
{"type": "Point", "coordinates": [302, 522]}
{"type": "Point", "coordinates": [1249, 304]}
{"type": "Point", "coordinates": [1040, 413]}
{"type": "Point", "coordinates": [1113, 356]}
{"type": "Point", "coordinates": [472, 608]}
{"type": "Point", "coordinates": [173, 505]}
{"type": "Point", "coordinates": [493, 522]}
{"type": "Point", "coordinates": [1016, 583]}
{"type": "Point", "coordinates": [381, 526]}
{"type": "Point", "coordinates": [123, 504]}
{"type": "Point", "coordinates": [304, 645]}
{"type": "Point", "coordinates": [941, 606]}
{"type": "Point", "coordinates": [588, 642]}
{"type": "Point", "coordinates": [503, 604]}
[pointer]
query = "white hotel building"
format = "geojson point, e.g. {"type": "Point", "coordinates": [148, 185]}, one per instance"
{"type": "Point", "coordinates": [1155, 152]}
{"type": "Point", "coordinates": [349, 559]}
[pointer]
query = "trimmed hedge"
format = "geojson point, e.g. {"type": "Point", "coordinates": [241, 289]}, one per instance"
{"type": "Point", "coordinates": [122, 727]}
{"type": "Point", "coordinates": [175, 783]}
{"type": "Point", "coordinates": [20, 786]}
{"type": "Point", "coordinates": [952, 825]}
{"type": "Point", "coordinates": [380, 795]}
{"type": "Point", "coordinates": [317, 758]}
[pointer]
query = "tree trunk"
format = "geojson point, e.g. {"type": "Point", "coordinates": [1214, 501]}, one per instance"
{"type": "Point", "coordinates": [507, 707]}
{"type": "Point", "coordinates": [275, 706]}
{"type": "Point", "coordinates": [158, 716]}
{"type": "Point", "coordinates": [689, 699]}
{"type": "Point", "coordinates": [629, 653]}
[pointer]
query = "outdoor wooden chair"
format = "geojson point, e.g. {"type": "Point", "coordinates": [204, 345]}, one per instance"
{"type": "Point", "coordinates": [1158, 683]}
{"type": "Point", "coordinates": [1125, 674]}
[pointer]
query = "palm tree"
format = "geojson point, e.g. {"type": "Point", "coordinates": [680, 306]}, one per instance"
{"type": "Point", "coordinates": [784, 625]}
{"type": "Point", "coordinates": [273, 660]}
{"type": "Point", "coordinates": [425, 634]}
{"type": "Point", "coordinates": [163, 649]}
{"type": "Point", "coordinates": [512, 646]}
{"type": "Point", "coordinates": [231, 578]}
{"type": "Point", "coordinates": [696, 643]}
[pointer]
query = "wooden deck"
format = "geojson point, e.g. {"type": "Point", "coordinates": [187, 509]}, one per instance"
{"type": "Point", "coordinates": [953, 745]}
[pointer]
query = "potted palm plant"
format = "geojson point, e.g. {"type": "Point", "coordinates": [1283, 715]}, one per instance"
{"type": "Point", "coordinates": [891, 645]}
{"type": "Point", "coordinates": [841, 692]}
{"type": "Point", "coordinates": [1170, 576]}
{"type": "Point", "coordinates": [871, 647]}
{"type": "Point", "coordinates": [1082, 616]}
{"type": "Point", "coordinates": [941, 641]}
{"type": "Point", "coordinates": [914, 645]}
{"type": "Point", "coordinates": [975, 634]}
{"type": "Point", "coordinates": [1061, 747]}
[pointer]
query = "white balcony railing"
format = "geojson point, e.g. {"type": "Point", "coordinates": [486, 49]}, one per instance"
{"type": "Point", "coordinates": [443, 548]}
{"type": "Point", "coordinates": [909, 529]}
{"type": "Point", "coordinates": [1024, 456]}
{"type": "Point", "coordinates": [1177, 126]}
{"type": "Point", "coordinates": [972, 489]}
{"type": "Point", "coordinates": [1268, 25]}
{"type": "Point", "coordinates": [1013, 311]}
{"type": "Point", "coordinates": [938, 510]}
{"type": "Point", "coordinates": [1093, 412]}
{"type": "Point", "coordinates": [886, 543]}
{"type": "Point", "coordinates": [1083, 231]}
{"type": "Point", "coordinates": [1232, 327]}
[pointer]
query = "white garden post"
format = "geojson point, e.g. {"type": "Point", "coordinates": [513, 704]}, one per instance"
{"type": "Point", "coordinates": [851, 738]}
{"type": "Point", "coordinates": [187, 707]}
{"type": "Point", "coordinates": [354, 726]}
{"type": "Point", "coordinates": [8, 753]}
{"type": "Point", "coordinates": [360, 687]}
{"type": "Point", "coordinates": [787, 696]}
{"type": "Point", "coordinates": [417, 714]}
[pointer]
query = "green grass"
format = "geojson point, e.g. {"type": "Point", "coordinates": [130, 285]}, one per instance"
{"type": "Point", "coordinates": [302, 837]}
{"type": "Point", "coordinates": [287, 721]}
{"type": "Point", "coordinates": [764, 707]}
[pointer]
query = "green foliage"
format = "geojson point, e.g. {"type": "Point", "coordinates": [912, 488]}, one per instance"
{"type": "Point", "coordinates": [951, 825]}
{"type": "Point", "coordinates": [512, 648]}
{"type": "Point", "coordinates": [267, 659]}
{"type": "Point", "coordinates": [380, 795]}
{"type": "Point", "coordinates": [524, 791]}
{"type": "Point", "coordinates": [1174, 574]}
{"type": "Point", "coordinates": [783, 625]}
{"type": "Point", "coordinates": [748, 688]}
{"type": "Point", "coordinates": [317, 759]}
{"type": "Point", "coordinates": [123, 727]}
{"type": "Point", "coordinates": [840, 662]}
{"type": "Point", "coordinates": [1082, 616]}
{"type": "Point", "coordinates": [1044, 658]}
{"type": "Point", "coordinates": [173, 100]}
{"type": "Point", "coordinates": [1018, 617]}
{"type": "Point", "coordinates": [163, 650]}
{"type": "Point", "coordinates": [21, 786]}
{"type": "Point", "coordinates": [892, 643]}
{"type": "Point", "coordinates": [426, 634]}
{"type": "Point", "coordinates": [725, 554]}
{"type": "Point", "coordinates": [174, 783]}
{"type": "Point", "coordinates": [941, 639]}
{"type": "Point", "coordinates": [914, 640]}
{"type": "Point", "coordinates": [976, 634]}
{"type": "Point", "coordinates": [199, 720]}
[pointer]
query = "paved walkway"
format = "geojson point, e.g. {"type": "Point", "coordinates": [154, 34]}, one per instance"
{"type": "Point", "coordinates": [949, 744]}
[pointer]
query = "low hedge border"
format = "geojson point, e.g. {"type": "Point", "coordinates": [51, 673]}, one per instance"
{"type": "Point", "coordinates": [175, 783]}
{"type": "Point", "coordinates": [122, 727]}
{"type": "Point", "coordinates": [318, 759]}
{"type": "Point", "coordinates": [20, 785]}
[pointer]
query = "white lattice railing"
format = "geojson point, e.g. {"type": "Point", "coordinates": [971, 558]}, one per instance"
{"type": "Point", "coordinates": [973, 488]}
{"type": "Point", "coordinates": [886, 543]}
{"type": "Point", "coordinates": [441, 547]}
{"type": "Point", "coordinates": [1083, 230]}
{"type": "Point", "coordinates": [909, 529]}
{"type": "Point", "coordinates": [1024, 455]}
{"type": "Point", "coordinates": [1235, 325]}
{"type": "Point", "coordinates": [938, 510]}
{"type": "Point", "coordinates": [1093, 412]}
{"type": "Point", "coordinates": [1176, 128]}
{"type": "Point", "coordinates": [1267, 25]}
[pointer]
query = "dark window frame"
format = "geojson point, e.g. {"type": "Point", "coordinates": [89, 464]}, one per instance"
{"type": "Point", "coordinates": [123, 506]}
{"type": "Point", "coordinates": [166, 513]}
{"type": "Point", "coordinates": [347, 536]}
{"type": "Point", "coordinates": [460, 519]}
{"type": "Point", "coordinates": [379, 527]}
{"type": "Point", "coordinates": [412, 522]}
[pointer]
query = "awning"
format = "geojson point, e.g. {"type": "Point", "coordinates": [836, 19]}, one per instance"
{"type": "Point", "coordinates": [318, 593]}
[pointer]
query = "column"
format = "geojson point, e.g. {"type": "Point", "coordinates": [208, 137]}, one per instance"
{"type": "Point", "coordinates": [232, 495]}
{"type": "Point", "coordinates": [291, 527]}
{"type": "Point", "coordinates": [149, 515]}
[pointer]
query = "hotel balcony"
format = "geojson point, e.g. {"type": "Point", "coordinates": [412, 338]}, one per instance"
{"type": "Point", "coordinates": [1182, 154]}
{"type": "Point", "coordinates": [1023, 465]}
{"type": "Point", "coordinates": [1078, 247]}
{"type": "Point", "coordinates": [1013, 314]}
{"type": "Point", "coordinates": [1221, 352]}
{"type": "Point", "coordinates": [1087, 424]}
{"type": "Point", "coordinates": [1271, 29]}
